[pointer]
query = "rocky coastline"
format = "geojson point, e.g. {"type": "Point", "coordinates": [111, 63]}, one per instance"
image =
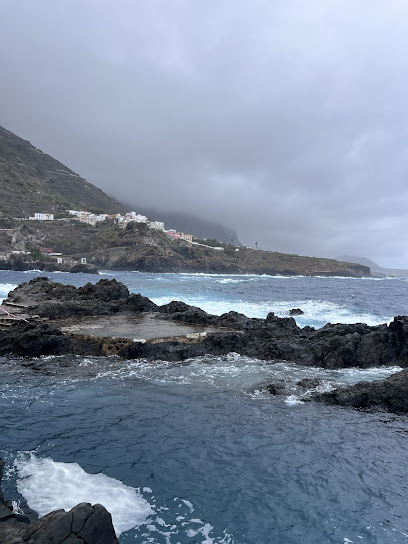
{"type": "Point", "coordinates": [333, 346]}
{"type": "Point", "coordinates": [47, 304]}
{"type": "Point", "coordinates": [21, 264]}
{"type": "Point", "coordinates": [149, 250]}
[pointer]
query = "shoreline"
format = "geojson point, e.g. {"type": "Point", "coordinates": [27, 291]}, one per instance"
{"type": "Point", "coordinates": [177, 331]}
{"type": "Point", "coordinates": [111, 272]}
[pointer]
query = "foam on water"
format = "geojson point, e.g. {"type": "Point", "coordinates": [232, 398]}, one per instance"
{"type": "Point", "coordinates": [48, 485]}
{"type": "Point", "coordinates": [5, 289]}
{"type": "Point", "coordinates": [316, 312]}
{"type": "Point", "coordinates": [234, 372]}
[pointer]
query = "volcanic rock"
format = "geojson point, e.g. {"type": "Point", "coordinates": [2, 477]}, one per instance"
{"type": "Point", "coordinates": [84, 268]}
{"type": "Point", "coordinates": [274, 338]}
{"type": "Point", "coordinates": [179, 311]}
{"type": "Point", "coordinates": [296, 311]}
{"type": "Point", "coordinates": [32, 339]}
{"type": "Point", "coordinates": [390, 394]}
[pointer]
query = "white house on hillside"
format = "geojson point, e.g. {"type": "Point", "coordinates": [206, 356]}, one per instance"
{"type": "Point", "coordinates": [42, 217]}
{"type": "Point", "coordinates": [135, 217]}
{"type": "Point", "coordinates": [156, 225]}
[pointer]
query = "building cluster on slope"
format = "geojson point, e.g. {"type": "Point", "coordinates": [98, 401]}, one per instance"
{"type": "Point", "coordinates": [122, 221]}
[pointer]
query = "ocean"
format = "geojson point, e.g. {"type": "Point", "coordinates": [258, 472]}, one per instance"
{"type": "Point", "coordinates": [195, 452]}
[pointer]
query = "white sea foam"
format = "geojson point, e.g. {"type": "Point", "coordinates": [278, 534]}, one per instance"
{"type": "Point", "coordinates": [234, 372]}
{"type": "Point", "coordinates": [5, 289]}
{"type": "Point", "coordinates": [316, 312]}
{"type": "Point", "coordinates": [292, 400]}
{"type": "Point", "coordinates": [49, 485]}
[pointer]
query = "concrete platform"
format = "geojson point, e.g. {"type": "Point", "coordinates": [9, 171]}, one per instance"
{"type": "Point", "coordinates": [139, 327]}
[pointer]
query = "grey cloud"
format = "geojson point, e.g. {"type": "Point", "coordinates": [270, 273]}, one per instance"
{"type": "Point", "coordinates": [285, 120]}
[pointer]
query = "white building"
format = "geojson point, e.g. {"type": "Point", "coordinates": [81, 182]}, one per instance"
{"type": "Point", "coordinates": [156, 225]}
{"type": "Point", "coordinates": [135, 217]}
{"type": "Point", "coordinates": [42, 217]}
{"type": "Point", "coordinates": [84, 216]}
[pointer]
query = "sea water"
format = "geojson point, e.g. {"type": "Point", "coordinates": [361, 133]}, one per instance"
{"type": "Point", "coordinates": [198, 452]}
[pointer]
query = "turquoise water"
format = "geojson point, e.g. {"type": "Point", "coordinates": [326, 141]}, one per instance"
{"type": "Point", "coordinates": [194, 452]}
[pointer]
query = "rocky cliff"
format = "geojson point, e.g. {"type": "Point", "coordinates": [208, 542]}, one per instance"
{"type": "Point", "coordinates": [139, 248]}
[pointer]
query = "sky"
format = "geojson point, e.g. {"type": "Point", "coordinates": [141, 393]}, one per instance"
{"type": "Point", "coordinates": [286, 120]}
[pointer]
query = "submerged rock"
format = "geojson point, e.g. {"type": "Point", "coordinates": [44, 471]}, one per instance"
{"type": "Point", "coordinates": [296, 311]}
{"type": "Point", "coordinates": [83, 524]}
{"type": "Point", "coordinates": [302, 388]}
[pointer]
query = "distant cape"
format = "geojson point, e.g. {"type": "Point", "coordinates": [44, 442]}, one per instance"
{"type": "Point", "coordinates": [375, 268]}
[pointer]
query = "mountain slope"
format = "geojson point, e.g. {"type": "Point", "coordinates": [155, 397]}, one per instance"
{"type": "Point", "coordinates": [32, 181]}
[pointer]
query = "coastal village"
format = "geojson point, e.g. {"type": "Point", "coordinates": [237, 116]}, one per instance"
{"type": "Point", "coordinates": [94, 220]}
{"type": "Point", "coordinates": [122, 221]}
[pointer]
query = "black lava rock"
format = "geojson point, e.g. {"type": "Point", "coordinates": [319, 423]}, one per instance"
{"type": "Point", "coordinates": [32, 339]}
{"type": "Point", "coordinates": [296, 311]}
{"type": "Point", "coordinates": [390, 394]}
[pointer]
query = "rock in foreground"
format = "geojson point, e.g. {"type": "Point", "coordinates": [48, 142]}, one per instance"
{"type": "Point", "coordinates": [83, 524]}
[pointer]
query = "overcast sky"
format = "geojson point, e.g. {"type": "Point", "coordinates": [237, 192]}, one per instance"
{"type": "Point", "coordinates": [286, 120]}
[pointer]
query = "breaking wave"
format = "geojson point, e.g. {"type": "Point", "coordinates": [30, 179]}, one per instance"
{"type": "Point", "coordinates": [316, 312]}
{"type": "Point", "coordinates": [5, 288]}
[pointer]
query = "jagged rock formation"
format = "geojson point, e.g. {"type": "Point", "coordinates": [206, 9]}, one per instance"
{"type": "Point", "coordinates": [332, 346]}
{"type": "Point", "coordinates": [83, 524]}
{"type": "Point", "coordinates": [390, 394]}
